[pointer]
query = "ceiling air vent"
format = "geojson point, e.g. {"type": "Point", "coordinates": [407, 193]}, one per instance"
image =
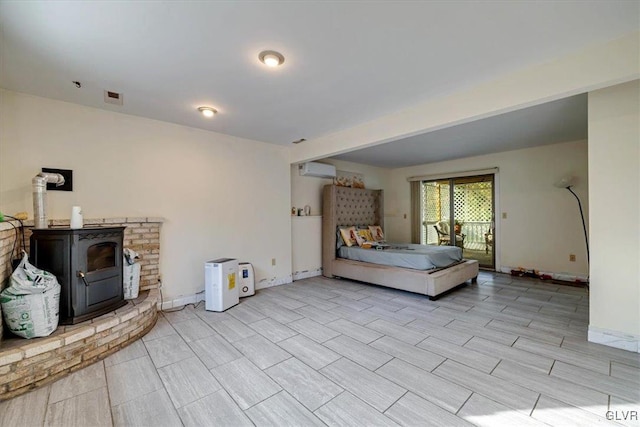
{"type": "Point", "coordinates": [113, 97]}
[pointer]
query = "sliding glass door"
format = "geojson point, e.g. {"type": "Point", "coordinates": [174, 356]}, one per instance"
{"type": "Point", "coordinates": [460, 211]}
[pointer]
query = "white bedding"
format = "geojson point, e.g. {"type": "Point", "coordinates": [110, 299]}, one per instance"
{"type": "Point", "coordinates": [405, 255]}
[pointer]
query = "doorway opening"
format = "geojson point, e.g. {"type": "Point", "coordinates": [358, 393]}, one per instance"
{"type": "Point", "coordinates": [462, 207]}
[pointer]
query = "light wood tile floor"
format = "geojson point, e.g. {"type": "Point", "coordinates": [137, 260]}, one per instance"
{"type": "Point", "coordinates": [504, 351]}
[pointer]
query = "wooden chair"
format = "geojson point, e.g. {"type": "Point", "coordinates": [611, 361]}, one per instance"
{"type": "Point", "coordinates": [488, 240]}
{"type": "Point", "coordinates": [442, 228]}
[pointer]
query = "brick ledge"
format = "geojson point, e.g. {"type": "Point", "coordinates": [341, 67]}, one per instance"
{"type": "Point", "coordinates": [97, 221]}
{"type": "Point", "coordinates": [33, 364]}
{"type": "Point", "coordinates": [7, 224]}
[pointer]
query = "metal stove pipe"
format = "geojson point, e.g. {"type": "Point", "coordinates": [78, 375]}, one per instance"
{"type": "Point", "coordinates": [39, 188]}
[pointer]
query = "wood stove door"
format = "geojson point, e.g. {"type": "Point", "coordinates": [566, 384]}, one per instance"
{"type": "Point", "coordinates": [99, 285]}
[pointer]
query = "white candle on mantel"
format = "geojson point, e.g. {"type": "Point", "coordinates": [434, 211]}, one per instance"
{"type": "Point", "coordinates": [76, 218]}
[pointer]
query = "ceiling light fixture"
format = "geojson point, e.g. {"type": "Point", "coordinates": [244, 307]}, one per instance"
{"type": "Point", "coordinates": [207, 111]}
{"type": "Point", "coordinates": [271, 58]}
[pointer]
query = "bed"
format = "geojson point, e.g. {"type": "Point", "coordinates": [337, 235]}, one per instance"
{"type": "Point", "coordinates": [345, 207]}
{"type": "Point", "coordinates": [405, 255]}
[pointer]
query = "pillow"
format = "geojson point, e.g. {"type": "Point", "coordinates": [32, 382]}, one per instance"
{"type": "Point", "coordinates": [363, 236]}
{"type": "Point", "coordinates": [349, 236]}
{"type": "Point", "coordinates": [376, 233]}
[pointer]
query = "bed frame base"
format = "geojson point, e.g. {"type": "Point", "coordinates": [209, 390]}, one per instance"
{"type": "Point", "coordinates": [421, 282]}
{"type": "Point", "coordinates": [447, 292]}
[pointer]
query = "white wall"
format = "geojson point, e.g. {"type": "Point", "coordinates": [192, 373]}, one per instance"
{"type": "Point", "coordinates": [305, 190]}
{"type": "Point", "coordinates": [221, 196]}
{"type": "Point", "coordinates": [614, 191]}
{"type": "Point", "coordinates": [306, 246]}
{"type": "Point", "coordinates": [543, 223]}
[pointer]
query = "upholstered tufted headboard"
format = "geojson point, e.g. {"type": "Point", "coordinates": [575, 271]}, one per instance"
{"type": "Point", "coordinates": [346, 206]}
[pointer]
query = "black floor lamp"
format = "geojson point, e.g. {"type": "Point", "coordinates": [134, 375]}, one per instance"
{"type": "Point", "coordinates": [567, 182]}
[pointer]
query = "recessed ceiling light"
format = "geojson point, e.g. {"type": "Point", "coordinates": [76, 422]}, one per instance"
{"type": "Point", "coordinates": [207, 111]}
{"type": "Point", "coordinates": [271, 58]}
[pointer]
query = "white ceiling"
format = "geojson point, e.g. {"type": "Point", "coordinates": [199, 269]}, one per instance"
{"type": "Point", "coordinates": [346, 62]}
{"type": "Point", "coordinates": [553, 122]}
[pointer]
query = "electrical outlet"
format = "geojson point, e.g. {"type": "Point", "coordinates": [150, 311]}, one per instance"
{"type": "Point", "coordinates": [273, 262]}
{"type": "Point", "coordinates": [572, 258]}
{"type": "Point", "coordinates": [504, 215]}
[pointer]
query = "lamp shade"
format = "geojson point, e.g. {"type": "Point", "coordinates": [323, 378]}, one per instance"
{"type": "Point", "coordinates": [565, 182]}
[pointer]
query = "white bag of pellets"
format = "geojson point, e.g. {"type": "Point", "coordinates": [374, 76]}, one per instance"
{"type": "Point", "coordinates": [131, 274]}
{"type": "Point", "coordinates": [31, 303]}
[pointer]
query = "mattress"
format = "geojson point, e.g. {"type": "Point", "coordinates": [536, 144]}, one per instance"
{"type": "Point", "coordinates": [405, 255]}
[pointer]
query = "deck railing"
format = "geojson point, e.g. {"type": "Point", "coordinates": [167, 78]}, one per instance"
{"type": "Point", "coordinates": [474, 232]}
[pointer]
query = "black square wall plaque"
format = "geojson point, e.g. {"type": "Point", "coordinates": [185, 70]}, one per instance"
{"type": "Point", "coordinates": [68, 179]}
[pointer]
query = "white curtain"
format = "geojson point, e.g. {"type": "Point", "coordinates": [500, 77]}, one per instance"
{"type": "Point", "coordinates": [416, 218]}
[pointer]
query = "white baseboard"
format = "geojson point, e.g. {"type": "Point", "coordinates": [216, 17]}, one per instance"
{"type": "Point", "coordinates": [615, 339]}
{"type": "Point", "coordinates": [274, 281]}
{"type": "Point", "coordinates": [179, 302]}
{"type": "Point", "coordinates": [299, 275]}
{"type": "Point", "coordinates": [195, 298]}
{"type": "Point", "coordinates": [183, 300]}
{"type": "Point", "coordinates": [200, 296]}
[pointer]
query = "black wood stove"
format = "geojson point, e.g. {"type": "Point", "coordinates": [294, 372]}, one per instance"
{"type": "Point", "coordinates": [88, 265]}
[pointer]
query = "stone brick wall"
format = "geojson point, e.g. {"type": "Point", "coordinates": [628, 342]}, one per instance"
{"type": "Point", "coordinates": [143, 236]}
{"type": "Point", "coordinates": [7, 241]}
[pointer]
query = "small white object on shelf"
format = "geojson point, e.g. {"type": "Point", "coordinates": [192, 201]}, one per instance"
{"type": "Point", "coordinates": [76, 218]}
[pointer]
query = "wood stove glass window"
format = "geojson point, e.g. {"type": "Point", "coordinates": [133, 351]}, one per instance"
{"type": "Point", "coordinates": [101, 255]}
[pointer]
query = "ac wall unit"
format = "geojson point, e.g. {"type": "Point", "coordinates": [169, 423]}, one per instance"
{"type": "Point", "coordinates": [316, 169]}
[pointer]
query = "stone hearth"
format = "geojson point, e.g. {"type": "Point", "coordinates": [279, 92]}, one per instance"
{"type": "Point", "coordinates": [27, 364]}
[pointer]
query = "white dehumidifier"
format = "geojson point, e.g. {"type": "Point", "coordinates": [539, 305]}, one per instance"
{"type": "Point", "coordinates": [220, 284]}
{"type": "Point", "coordinates": [247, 283]}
